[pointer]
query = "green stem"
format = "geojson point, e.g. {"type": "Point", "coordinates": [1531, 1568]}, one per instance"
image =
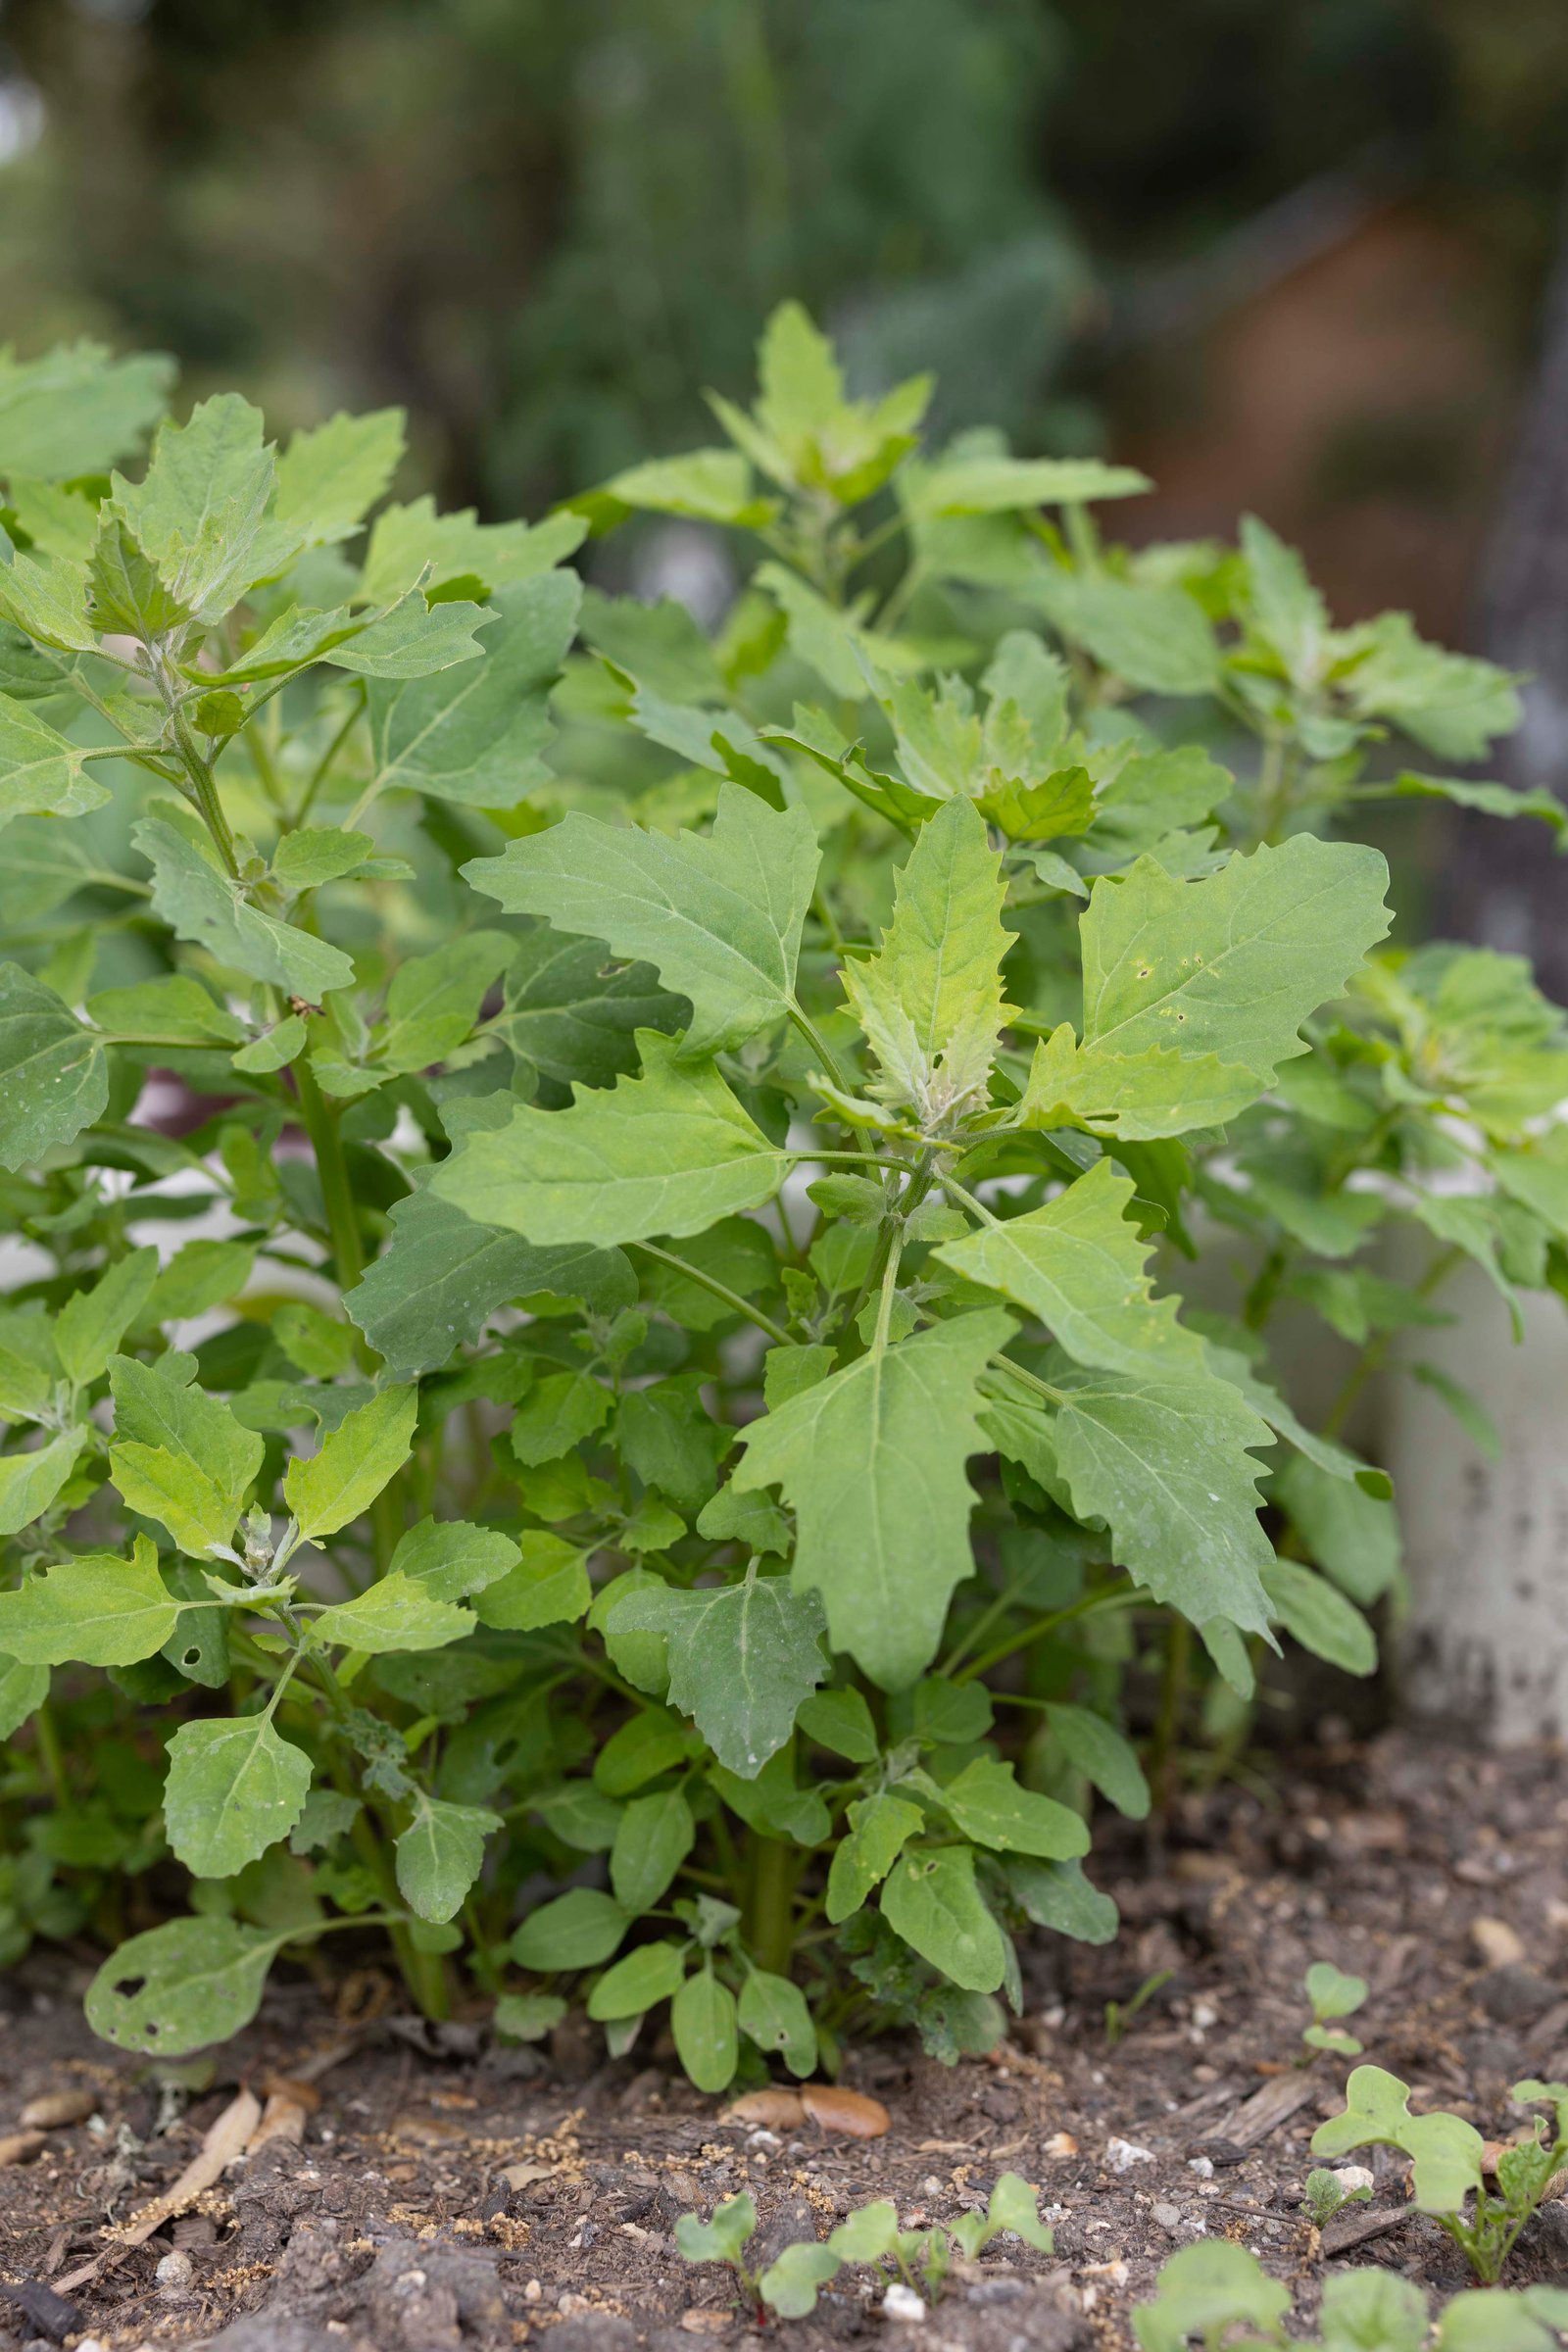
{"type": "Point", "coordinates": [337, 1196]}
{"type": "Point", "coordinates": [51, 1755]}
{"type": "Point", "coordinates": [769, 1910]}
{"type": "Point", "coordinates": [1172, 1705]}
{"type": "Point", "coordinates": [717, 1290]}
{"type": "Point", "coordinates": [1093, 1605]}
{"type": "Point", "coordinates": [1375, 1353]}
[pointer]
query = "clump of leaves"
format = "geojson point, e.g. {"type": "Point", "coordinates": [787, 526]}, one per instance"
{"type": "Point", "coordinates": [596, 1213]}
{"type": "Point", "coordinates": [921, 2258]}
{"type": "Point", "coordinates": [1220, 2294]}
{"type": "Point", "coordinates": [1447, 2173]}
{"type": "Point", "coordinates": [1332, 1993]}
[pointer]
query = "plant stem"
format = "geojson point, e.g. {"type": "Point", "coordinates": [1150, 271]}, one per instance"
{"type": "Point", "coordinates": [1375, 1353]}
{"type": "Point", "coordinates": [717, 1290]}
{"type": "Point", "coordinates": [768, 1924]}
{"type": "Point", "coordinates": [1172, 1705]}
{"type": "Point", "coordinates": [337, 1196]}
{"type": "Point", "coordinates": [1093, 1605]}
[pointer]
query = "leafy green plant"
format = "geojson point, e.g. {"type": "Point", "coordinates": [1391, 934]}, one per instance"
{"type": "Point", "coordinates": [1220, 2294]}
{"type": "Point", "coordinates": [1446, 2161]}
{"type": "Point", "coordinates": [922, 2258]}
{"type": "Point", "coordinates": [1325, 2193]}
{"type": "Point", "coordinates": [1332, 1994]}
{"type": "Point", "coordinates": [592, 1209]}
{"type": "Point", "coordinates": [1119, 2015]}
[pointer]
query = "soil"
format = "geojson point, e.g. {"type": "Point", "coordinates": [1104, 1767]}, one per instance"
{"type": "Point", "coordinates": [393, 2228]}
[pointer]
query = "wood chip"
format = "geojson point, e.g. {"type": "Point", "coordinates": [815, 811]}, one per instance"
{"type": "Point", "coordinates": [767, 2110]}
{"type": "Point", "coordinates": [58, 2107]}
{"type": "Point", "coordinates": [706, 2322]}
{"type": "Point", "coordinates": [1347, 2230]}
{"type": "Point", "coordinates": [227, 2138]}
{"type": "Point", "coordinates": [1060, 2145]}
{"type": "Point", "coordinates": [21, 2148]}
{"type": "Point", "coordinates": [298, 2087]}
{"type": "Point", "coordinates": [283, 2117]}
{"type": "Point", "coordinates": [523, 2176]}
{"type": "Point", "coordinates": [1497, 1945]}
{"type": "Point", "coordinates": [849, 2112]}
{"type": "Point", "coordinates": [1264, 2111]}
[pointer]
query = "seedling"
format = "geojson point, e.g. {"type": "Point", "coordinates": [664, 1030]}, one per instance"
{"type": "Point", "coordinates": [1332, 1994]}
{"type": "Point", "coordinates": [922, 2258]}
{"type": "Point", "coordinates": [1220, 2296]}
{"type": "Point", "coordinates": [1119, 2015]}
{"type": "Point", "coordinates": [1445, 2152]}
{"type": "Point", "coordinates": [1325, 2194]}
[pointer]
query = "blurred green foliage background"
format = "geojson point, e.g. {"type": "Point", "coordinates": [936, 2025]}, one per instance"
{"type": "Point", "coordinates": [544, 225]}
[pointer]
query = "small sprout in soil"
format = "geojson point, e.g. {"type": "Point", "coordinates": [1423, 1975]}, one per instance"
{"type": "Point", "coordinates": [1446, 2156]}
{"type": "Point", "coordinates": [870, 2234]}
{"type": "Point", "coordinates": [1326, 2194]}
{"type": "Point", "coordinates": [1119, 2015]}
{"type": "Point", "coordinates": [1332, 1994]}
{"type": "Point", "coordinates": [1211, 2289]}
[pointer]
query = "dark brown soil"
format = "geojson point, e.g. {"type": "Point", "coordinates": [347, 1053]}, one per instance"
{"type": "Point", "coordinates": [1438, 1875]}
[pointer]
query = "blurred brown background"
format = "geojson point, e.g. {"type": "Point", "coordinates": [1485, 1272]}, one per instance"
{"type": "Point", "coordinates": [1297, 256]}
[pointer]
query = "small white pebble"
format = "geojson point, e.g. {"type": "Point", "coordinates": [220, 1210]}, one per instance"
{"type": "Point", "coordinates": [174, 2273]}
{"type": "Point", "coordinates": [901, 2302]}
{"type": "Point", "coordinates": [1354, 2176]}
{"type": "Point", "coordinates": [1202, 2166]}
{"type": "Point", "coordinates": [1204, 2014]}
{"type": "Point", "coordinates": [1122, 2154]}
{"type": "Point", "coordinates": [931, 2186]}
{"type": "Point", "coordinates": [533, 2293]}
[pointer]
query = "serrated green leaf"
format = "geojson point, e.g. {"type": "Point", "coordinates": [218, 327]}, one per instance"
{"type": "Point", "coordinates": [573, 1012]}
{"type": "Point", "coordinates": [200, 902]}
{"type": "Point", "coordinates": [930, 1000]}
{"type": "Point", "coordinates": [91, 1323]}
{"type": "Point", "coordinates": [440, 1854]}
{"type": "Point", "coordinates": [1233, 964]}
{"type": "Point", "coordinates": [174, 1010]}
{"type": "Point", "coordinates": [880, 1827]}
{"type": "Point", "coordinates": [46, 598]}
{"type": "Point", "coordinates": [329, 477]}
{"type": "Point", "coordinates": [54, 1075]}
{"type": "Point", "coordinates": [872, 1459]}
{"type": "Point", "coordinates": [1138, 1097]}
{"type": "Point", "coordinates": [182, 1985]}
{"type": "Point", "coordinates": [412, 639]}
{"type": "Point", "coordinates": [407, 539]}
{"type": "Point", "coordinates": [549, 1586]}
{"type": "Point", "coordinates": [395, 1613]}
{"type": "Point", "coordinates": [31, 1480]}
{"type": "Point", "coordinates": [75, 410]}
{"type": "Point", "coordinates": [41, 773]}
{"type": "Point", "coordinates": [449, 1559]}
{"type": "Point", "coordinates": [434, 1000]}
{"type": "Point", "coordinates": [198, 1511]}
{"type": "Point", "coordinates": [474, 735]}
{"type": "Point", "coordinates": [234, 1788]}
{"type": "Point", "coordinates": [442, 1275]}
{"type": "Point", "coordinates": [158, 1408]}
{"type": "Point", "coordinates": [98, 1610]}
{"type": "Point", "coordinates": [741, 1659]}
{"type": "Point", "coordinates": [1162, 1459]}
{"type": "Point", "coordinates": [718, 919]}
{"type": "Point", "coordinates": [204, 511]}
{"type": "Point", "coordinates": [1079, 1265]}
{"type": "Point", "coordinates": [353, 1464]}
{"type": "Point", "coordinates": [932, 1900]}
{"type": "Point", "coordinates": [987, 485]}
{"type": "Point", "coordinates": [668, 1153]}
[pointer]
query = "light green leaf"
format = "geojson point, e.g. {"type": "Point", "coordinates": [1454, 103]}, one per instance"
{"type": "Point", "coordinates": [549, 1586]}
{"type": "Point", "coordinates": [578, 1930]}
{"type": "Point", "coordinates": [354, 1463]}
{"type": "Point", "coordinates": [1318, 1616]}
{"type": "Point", "coordinates": [1447, 2151]}
{"type": "Point", "coordinates": [653, 1837]}
{"type": "Point", "coordinates": [931, 1900]}
{"type": "Point", "coordinates": [46, 598]}
{"type": "Point", "coordinates": [558, 1413]}
{"type": "Point", "coordinates": [198, 1510]}
{"type": "Point", "coordinates": [668, 1153]}
{"type": "Point", "coordinates": [449, 1559]}
{"type": "Point", "coordinates": [930, 1000]}
{"type": "Point", "coordinates": [440, 1854]}
{"type": "Point", "coordinates": [1492, 800]}
{"type": "Point", "coordinates": [22, 1692]}
{"type": "Point", "coordinates": [790, 2281]}
{"type": "Point", "coordinates": [29, 1481]}
{"type": "Point", "coordinates": [1078, 1265]}
{"type": "Point", "coordinates": [1332, 1992]}
{"type": "Point", "coordinates": [1452, 703]}
{"type": "Point", "coordinates": [1157, 639]}
{"type": "Point", "coordinates": [329, 479]}
{"type": "Point", "coordinates": [53, 1074]}
{"type": "Point", "coordinates": [573, 1015]}
{"type": "Point", "coordinates": [723, 2238]}
{"type": "Point", "coordinates": [396, 1613]}
{"type": "Point", "coordinates": [1287, 611]}
{"type": "Point", "coordinates": [880, 1828]}
{"type": "Point", "coordinates": [710, 485]}
{"type": "Point", "coordinates": [986, 485]}
{"type": "Point", "coordinates": [1138, 1097]}
{"type": "Point", "coordinates": [412, 640]}
{"type": "Point", "coordinates": [701, 2019]}
{"type": "Point", "coordinates": [234, 1788]}
{"type": "Point", "coordinates": [314, 855]}
{"type": "Point", "coordinates": [838, 1720]}
{"type": "Point", "coordinates": [741, 1659]}
{"type": "Point", "coordinates": [1234, 963]}
{"type": "Point", "coordinates": [434, 1000]}
{"type": "Point", "coordinates": [91, 1323]}
{"type": "Point", "coordinates": [649, 1973]}
{"type": "Point", "coordinates": [41, 773]}
{"type": "Point", "coordinates": [872, 1459]}
{"type": "Point", "coordinates": [1098, 1751]}
{"type": "Point", "coordinates": [405, 539]}
{"type": "Point", "coordinates": [98, 1610]}
{"type": "Point", "coordinates": [1211, 2290]}
{"type": "Point", "coordinates": [158, 1408]}
{"type": "Point", "coordinates": [128, 595]}
{"type": "Point", "coordinates": [200, 1275]}
{"type": "Point", "coordinates": [1162, 1458]}
{"type": "Point", "coordinates": [75, 410]}
{"type": "Point", "coordinates": [174, 1010]}
{"type": "Point", "coordinates": [204, 512]}
{"type": "Point", "coordinates": [720, 918]}
{"type": "Point", "coordinates": [989, 1806]}
{"type": "Point", "coordinates": [1057, 1895]}
{"type": "Point", "coordinates": [773, 2014]}
{"type": "Point", "coordinates": [1324, 1453]}
{"type": "Point", "coordinates": [182, 1985]}
{"type": "Point", "coordinates": [527, 2016]}
{"type": "Point", "coordinates": [474, 736]}
{"type": "Point", "coordinates": [1351, 1535]}
{"type": "Point", "coordinates": [200, 902]}
{"type": "Point", "coordinates": [441, 1276]}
